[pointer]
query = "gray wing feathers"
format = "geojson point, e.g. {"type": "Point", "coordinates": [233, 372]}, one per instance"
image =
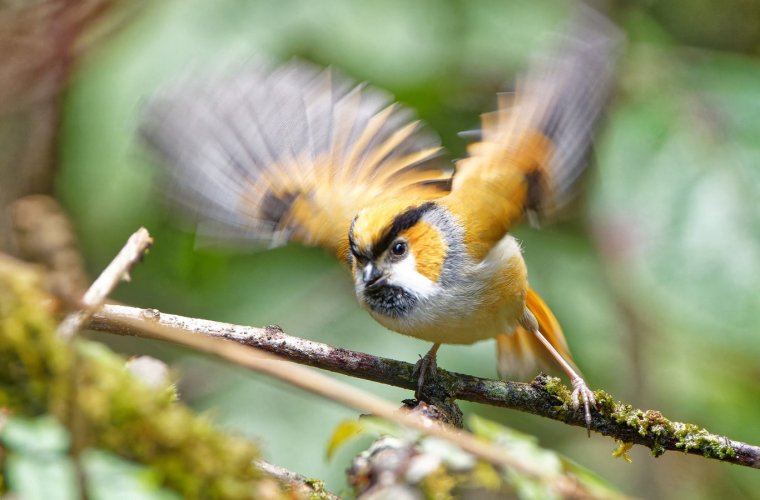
{"type": "Point", "coordinates": [238, 149]}
{"type": "Point", "coordinates": [574, 83]}
{"type": "Point", "coordinates": [563, 96]}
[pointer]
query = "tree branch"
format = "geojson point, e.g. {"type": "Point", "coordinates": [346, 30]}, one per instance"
{"type": "Point", "coordinates": [269, 364]}
{"type": "Point", "coordinates": [117, 270]}
{"type": "Point", "coordinates": [545, 396]}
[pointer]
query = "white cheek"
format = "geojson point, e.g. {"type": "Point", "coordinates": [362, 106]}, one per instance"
{"type": "Point", "coordinates": [404, 274]}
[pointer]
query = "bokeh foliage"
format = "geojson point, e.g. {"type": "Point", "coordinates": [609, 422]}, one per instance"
{"type": "Point", "coordinates": [654, 277]}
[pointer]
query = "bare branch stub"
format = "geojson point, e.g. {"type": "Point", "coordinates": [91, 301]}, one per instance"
{"type": "Point", "coordinates": [132, 252]}
{"type": "Point", "coordinates": [545, 396]}
{"type": "Point", "coordinates": [304, 486]}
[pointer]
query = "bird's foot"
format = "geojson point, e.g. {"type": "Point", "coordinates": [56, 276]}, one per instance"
{"type": "Point", "coordinates": [426, 368]}
{"type": "Point", "coordinates": [581, 392]}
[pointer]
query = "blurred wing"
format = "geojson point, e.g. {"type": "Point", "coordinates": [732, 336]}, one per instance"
{"type": "Point", "coordinates": [288, 154]}
{"type": "Point", "coordinates": [534, 147]}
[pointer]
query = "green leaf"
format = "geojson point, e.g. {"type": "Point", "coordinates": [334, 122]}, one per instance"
{"type": "Point", "coordinates": [42, 435]}
{"type": "Point", "coordinates": [33, 477]}
{"type": "Point", "coordinates": [38, 466]}
{"type": "Point", "coordinates": [531, 454]}
{"type": "Point", "coordinates": [110, 477]}
{"type": "Point", "coordinates": [593, 482]}
{"type": "Point", "coordinates": [518, 444]}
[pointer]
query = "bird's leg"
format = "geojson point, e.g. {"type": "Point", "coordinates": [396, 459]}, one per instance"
{"type": "Point", "coordinates": [581, 392]}
{"type": "Point", "coordinates": [425, 367]}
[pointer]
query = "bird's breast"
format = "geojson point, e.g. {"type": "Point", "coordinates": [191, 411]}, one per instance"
{"type": "Point", "coordinates": [483, 300]}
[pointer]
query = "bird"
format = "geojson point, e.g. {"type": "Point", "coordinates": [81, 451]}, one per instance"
{"type": "Point", "coordinates": [298, 153]}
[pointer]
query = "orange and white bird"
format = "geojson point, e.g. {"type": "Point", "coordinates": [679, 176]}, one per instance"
{"type": "Point", "coordinates": [302, 154]}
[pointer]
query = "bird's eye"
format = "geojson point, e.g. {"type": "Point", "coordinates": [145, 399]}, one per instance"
{"type": "Point", "coordinates": [399, 249]}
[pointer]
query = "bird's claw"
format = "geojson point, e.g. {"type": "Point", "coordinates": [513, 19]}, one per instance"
{"type": "Point", "coordinates": [425, 367]}
{"type": "Point", "coordinates": [581, 392]}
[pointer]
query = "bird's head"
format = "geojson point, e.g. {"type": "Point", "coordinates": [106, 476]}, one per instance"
{"type": "Point", "coordinates": [397, 254]}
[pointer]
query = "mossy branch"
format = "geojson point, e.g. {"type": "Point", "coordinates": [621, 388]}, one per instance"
{"type": "Point", "coordinates": [107, 406]}
{"type": "Point", "coordinates": [544, 396]}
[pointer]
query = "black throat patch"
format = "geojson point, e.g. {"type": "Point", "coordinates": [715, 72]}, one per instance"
{"type": "Point", "coordinates": [391, 301]}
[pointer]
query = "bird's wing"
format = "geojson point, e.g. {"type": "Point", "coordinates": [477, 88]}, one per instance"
{"type": "Point", "coordinates": [288, 154]}
{"type": "Point", "coordinates": [533, 148]}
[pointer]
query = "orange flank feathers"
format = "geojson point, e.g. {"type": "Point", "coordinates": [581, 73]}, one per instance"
{"type": "Point", "coordinates": [520, 353]}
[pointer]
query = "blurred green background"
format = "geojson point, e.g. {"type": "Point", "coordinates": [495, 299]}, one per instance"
{"type": "Point", "coordinates": [655, 277]}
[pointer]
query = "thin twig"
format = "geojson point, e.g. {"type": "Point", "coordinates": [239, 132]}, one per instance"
{"type": "Point", "coordinates": [117, 270]}
{"type": "Point", "coordinates": [543, 397]}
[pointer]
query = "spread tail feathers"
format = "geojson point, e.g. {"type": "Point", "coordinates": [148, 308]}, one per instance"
{"type": "Point", "coordinates": [520, 354]}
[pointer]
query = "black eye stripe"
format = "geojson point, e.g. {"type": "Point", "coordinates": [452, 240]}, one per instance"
{"type": "Point", "coordinates": [403, 221]}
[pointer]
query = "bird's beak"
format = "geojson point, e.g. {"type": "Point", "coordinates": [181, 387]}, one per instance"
{"type": "Point", "coordinates": [372, 276]}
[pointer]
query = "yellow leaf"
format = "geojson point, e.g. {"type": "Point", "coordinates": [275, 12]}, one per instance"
{"type": "Point", "coordinates": [345, 431]}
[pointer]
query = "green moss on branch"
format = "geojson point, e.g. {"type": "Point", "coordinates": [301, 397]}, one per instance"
{"type": "Point", "coordinates": [87, 388]}
{"type": "Point", "coordinates": [646, 427]}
